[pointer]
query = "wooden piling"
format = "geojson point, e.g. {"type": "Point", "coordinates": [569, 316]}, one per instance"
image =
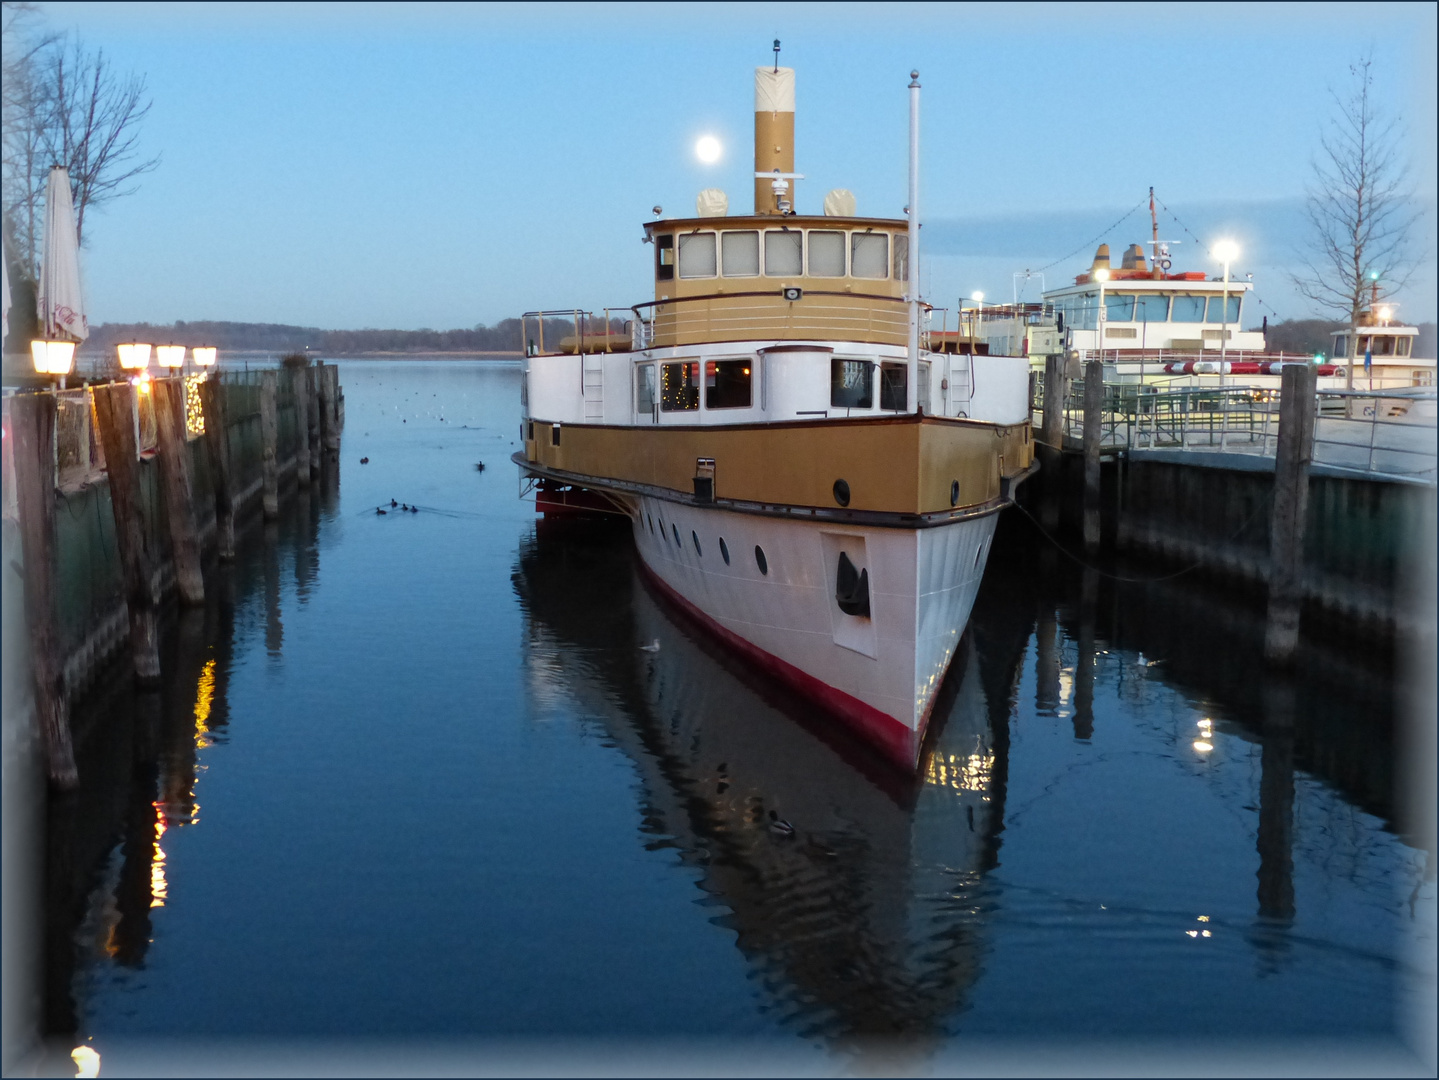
{"type": "Point", "coordinates": [217, 439]}
{"type": "Point", "coordinates": [174, 457]}
{"type": "Point", "coordinates": [1093, 413]}
{"type": "Point", "coordinates": [312, 418]}
{"type": "Point", "coordinates": [115, 415]}
{"type": "Point", "coordinates": [32, 420]}
{"type": "Point", "coordinates": [329, 378]}
{"type": "Point", "coordinates": [1052, 430]}
{"type": "Point", "coordinates": [1291, 500]}
{"type": "Point", "coordinates": [300, 389]}
{"type": "Point", "coordinates": [269, 436]}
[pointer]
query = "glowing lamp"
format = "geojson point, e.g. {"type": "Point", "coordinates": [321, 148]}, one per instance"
{"type": "Point", "coordinates": [1226, 251]}
{"type": "Point", "coordinates": [1385, 313]}
{"type": "Point", "coordinates": [1102, 274]}
{"type": "Point", "coordinates": [52, 357]}
{"type": "Point", "coordinates": [170, 356]}
{"type": "Point", "coordinates": [204, 355]}
{"type": "Point", "coordinates": [134, 356]}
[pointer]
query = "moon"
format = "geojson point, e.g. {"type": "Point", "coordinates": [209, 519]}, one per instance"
{"type": "Point", "coordinates": [708, 149]}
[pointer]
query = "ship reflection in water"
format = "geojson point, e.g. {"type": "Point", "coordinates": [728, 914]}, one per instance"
{"type": "Point", "coordinates": [867, 919]}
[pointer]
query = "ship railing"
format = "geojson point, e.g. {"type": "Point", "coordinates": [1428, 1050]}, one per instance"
{"type": "Point", "coordinates": [571, 331]}
{"type": "Point", "coordinates": [815, 315]}
{"type": "Point", "coordinates": [1380, 434]}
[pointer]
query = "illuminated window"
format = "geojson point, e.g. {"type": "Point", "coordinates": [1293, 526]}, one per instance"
{"type": "Point", "coordinates": [851, 384]}
{"type": "Point", "coordinates": [727, 384]}
{"type": "Point", "coordinates": [680, 386]}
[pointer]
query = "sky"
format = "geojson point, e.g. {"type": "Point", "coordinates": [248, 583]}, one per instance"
{"type": "Point", "coordinates": [434, 165]}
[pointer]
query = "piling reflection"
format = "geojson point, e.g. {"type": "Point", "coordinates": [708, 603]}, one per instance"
{"type": "Point", "coordinates": [868, 919]}
{"type": "Point", "coordinates": [142, 759]}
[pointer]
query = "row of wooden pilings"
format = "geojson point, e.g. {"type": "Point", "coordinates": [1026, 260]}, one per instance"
{"type": "Point", "coordinates": [33, 423]}
{"type": "Point", "coordinates": [1297, 408]}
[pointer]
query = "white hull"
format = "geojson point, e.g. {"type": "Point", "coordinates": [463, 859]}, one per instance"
{"type": "Point", "coordinates": [881, 673]}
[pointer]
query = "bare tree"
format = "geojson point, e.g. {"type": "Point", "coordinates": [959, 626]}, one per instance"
{"type": "Point", "coordinates": [63, 106]}
{"type": "Point", "coordinates": [94, 125]}
{"type": "Point", "coordinates": [1361, 211]}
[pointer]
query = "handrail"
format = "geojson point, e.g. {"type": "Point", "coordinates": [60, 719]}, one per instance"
{"type": "Point", "coordinates": [779, 294]}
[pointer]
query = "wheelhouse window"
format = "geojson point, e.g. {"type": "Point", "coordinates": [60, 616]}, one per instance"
{"type": "Point", "coordinates": [680, 386]}
{"type": "Point", "coordinates": [728, 384]}
{"type": "Point", "coordinates": [1151, 309]}
{"type": "Point", "coordinates": [1188, 309]}
{"type": "Point", "coordinates": [644, 389]}
{"type": "Point", "coordinates": [697, 255]}
{"type": "Point", "coordinates": [783, 256]}
{"type": "Point", "coordinates": [1119, 308]}
{"type": "Point", "coordinates": [894, 386]}
{"type": "Point", "coordinates": [665, 257]}
{"type": "Point", "coordinates": [901, 258]}
{"type": "Point", "coordinates": [1401, 347]}
{"type": "Point", "coordinates": [851, 384]}
{"type": "Point", "coordinates": [869, 255]}
{"type": "Point", "coordinates": [741, 254]}
{"type": "Point", "coordinates": [1217, 312]}
{"type": "Point", "coordinates": [826, 253]}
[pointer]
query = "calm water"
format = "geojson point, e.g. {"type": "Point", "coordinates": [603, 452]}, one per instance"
{"type": "Point", "coordinates": [413, 776]}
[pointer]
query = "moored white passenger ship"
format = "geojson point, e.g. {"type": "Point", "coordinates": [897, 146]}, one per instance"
{"type": "Point", "coordinates": [803, 476]}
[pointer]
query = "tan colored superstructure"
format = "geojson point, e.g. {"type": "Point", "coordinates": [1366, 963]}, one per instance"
{"type": "Point", "coordinates": [773, 136]}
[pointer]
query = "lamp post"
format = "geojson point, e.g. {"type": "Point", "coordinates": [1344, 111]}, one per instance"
{"type": "Point", "coordinates": [1101, 275]}
{"type": "Point", "coordinates": [204, 355]}
{"type": "Point", "coordinates": [1226, 251]}
{"type": "Point", "coordinates": [54, 358]}
{"type": "Point", "coordinates": [134, 358]}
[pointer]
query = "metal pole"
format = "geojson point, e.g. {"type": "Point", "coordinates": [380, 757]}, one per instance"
{"type": "Point", "coordinates": [1223, 351]}
{"type": "Point", "coordinates": [912, 379]}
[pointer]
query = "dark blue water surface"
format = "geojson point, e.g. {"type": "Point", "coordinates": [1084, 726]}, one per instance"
{"type": "Point", "coordinates": [413, 776]}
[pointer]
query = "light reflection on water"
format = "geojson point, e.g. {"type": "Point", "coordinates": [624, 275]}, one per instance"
{"type": "Point", "coordinates": [448, 793]}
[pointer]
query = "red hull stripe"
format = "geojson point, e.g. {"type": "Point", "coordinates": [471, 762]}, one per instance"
{"type": "Point", "coordinates": [899, 743]}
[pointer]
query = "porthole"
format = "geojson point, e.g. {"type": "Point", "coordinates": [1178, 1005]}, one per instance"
{"type": "Point", "coordinates": [760, 560]}
{"type": "Point", "coordinates": [724, 551]}
{"type": "Point", "coordinates": [676, 530]}
{"type": "Point", "coordinates": [696, 539]}
{"type": "Point", "coordinates": [841, 492]}
{"type": "Point", "coordinates": [954, 493]}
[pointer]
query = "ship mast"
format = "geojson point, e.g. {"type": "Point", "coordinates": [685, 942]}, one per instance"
{"type": "Point", "coordinates": [912, 380]}
{"type": "Point", "coordinates": [1154, 226]}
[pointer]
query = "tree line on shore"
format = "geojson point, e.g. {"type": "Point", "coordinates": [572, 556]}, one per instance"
{"type": "Point", "coordinates": [503, 337]}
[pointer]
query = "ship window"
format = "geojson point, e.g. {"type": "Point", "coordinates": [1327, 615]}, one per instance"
{"type": "Point", "coordinates": [724, 551]}
{"type": "Point", "coordinates": [1217, 312]}
{"type": "Point", "coordinates": [680, 386]}
{"type": "Point", "coordinates": [676, 530]}
{"type": "Point", "coordinates": [922, 390]}
{"type": "Point", "coordinates": [782, 254]}
{"type": "Point", "coordinates": [741, 254]}
{"type": "Point", "coordinates": [697, 255]}
{"type": "Point", "coordinates": [1401, 347]}
{"type": "Point", "coordinates": [1188, 309]}
{"type": "Point", "coordinates": [1424, 378]}
{"type": "Point", "coordinates": [651, 520]}
{"type": "Point", "coordinates": [826, 254]}
{"type": "Point", "coordinates": [1152, 309]}
{"type": "Point", "coordinates": [664, 257]}
{"type": "Point", "coordinates": [894, 386]}
{"type": "Point", "coordinates": [1385, 346]}
{"type": "Point", "coordinates": [727, 384]}
{"type": "Point", "coordinates": [1119, 308]}
{"type": "Point", "coordinates": [869, 255]}
{"type": "Point", "coordinates": [1341, 346]}
{"type": "Point", "coordinates": [851, 384]}
{"type": "Point", "coordinates": [760, 560]}
{"type": "Point", "coordinates": [901, 258]}
{"type": "Point", "coordinates": [644, 388]}
{"type": "Point", "coordinates": [694, 536]}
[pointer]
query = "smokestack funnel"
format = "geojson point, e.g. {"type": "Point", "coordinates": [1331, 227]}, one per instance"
{"type": "Point", "coordinates": [773, 137]}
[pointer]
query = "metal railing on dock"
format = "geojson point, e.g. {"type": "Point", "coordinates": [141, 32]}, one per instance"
{"type": "Point", "coordinates": [1386, 434]}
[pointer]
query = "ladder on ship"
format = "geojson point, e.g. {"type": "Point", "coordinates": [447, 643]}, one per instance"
{"type": "Point", "coordinates": [593, 382]}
